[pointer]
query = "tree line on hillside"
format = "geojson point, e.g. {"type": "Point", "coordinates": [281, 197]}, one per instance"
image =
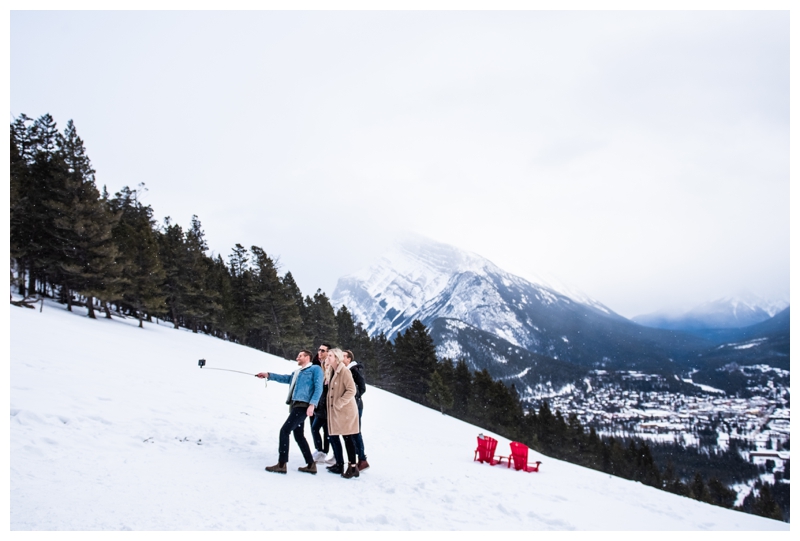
{"type": "Point", "coordinates": [476, 398]}
{"type": "Point", "coordinates": [82, 246]}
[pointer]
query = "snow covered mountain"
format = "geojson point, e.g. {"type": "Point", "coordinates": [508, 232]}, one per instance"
{"type": "Point", "coordinates": [426, 280]}
{"type": "Point", "coordinates": [116, 428]}
{"type": "Point", "coordinates": [725, 313]}
{"type": "Point", "coordinates": [423, 279]}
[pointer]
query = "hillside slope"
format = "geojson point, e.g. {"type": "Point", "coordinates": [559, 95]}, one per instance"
{"type": "Point", "coordinates": [116, 428]}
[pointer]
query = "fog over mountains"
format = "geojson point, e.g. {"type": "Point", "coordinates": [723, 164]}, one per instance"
{"type": "Point", "coordinates": [726, 313]}
{"type": "Point", "coordinates": [527, 331]}
{"type": "Point", "coordinates": [423, 279]}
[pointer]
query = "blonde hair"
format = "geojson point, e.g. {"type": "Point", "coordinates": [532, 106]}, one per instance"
{"type": "Point", "coordinates": [337, 353]}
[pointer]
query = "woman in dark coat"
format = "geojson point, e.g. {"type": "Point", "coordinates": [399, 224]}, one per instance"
{"type": "Point", "coordinates": [361, 387]}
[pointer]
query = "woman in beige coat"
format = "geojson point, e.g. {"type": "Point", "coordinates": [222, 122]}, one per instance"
{"type": "Point", "coordinates": [342, 414]}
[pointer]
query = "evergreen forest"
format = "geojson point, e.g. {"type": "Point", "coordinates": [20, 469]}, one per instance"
{"type": "Point", "coordinates": [82, 246]}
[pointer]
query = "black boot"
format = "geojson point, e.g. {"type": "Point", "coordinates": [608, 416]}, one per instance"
{"type": "Point", "coordinates": [336, 468]}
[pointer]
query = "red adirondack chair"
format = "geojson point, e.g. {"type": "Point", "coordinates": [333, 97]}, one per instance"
{"type": "Point", "coordinates": [485, 450]}
{"type": "Point", "coordinates": [519, 455]}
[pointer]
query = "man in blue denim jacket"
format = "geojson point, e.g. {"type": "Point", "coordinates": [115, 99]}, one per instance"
{"type": "Point", "coordinates": [305, 390]}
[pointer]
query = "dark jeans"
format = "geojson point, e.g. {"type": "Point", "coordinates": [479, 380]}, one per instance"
{"type": "Point", "coordinates": [295, 423]}
{"type": "Point", "coordinates": [357, 439]}
{"type": "Point", "coordinates": [320, 444]}
{"type": "Point", "coordinates": [349, 445]}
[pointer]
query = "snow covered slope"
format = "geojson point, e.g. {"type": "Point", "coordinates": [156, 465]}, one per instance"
{"type": "Point", "coordinates": [116, 428]}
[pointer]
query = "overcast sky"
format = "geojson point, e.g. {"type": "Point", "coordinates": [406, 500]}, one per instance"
{"type": "Point", "coordinates": [642, 157]}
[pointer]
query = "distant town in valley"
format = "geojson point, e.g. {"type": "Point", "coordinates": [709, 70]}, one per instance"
{"type": "Point", "coordinates": [709, 419]}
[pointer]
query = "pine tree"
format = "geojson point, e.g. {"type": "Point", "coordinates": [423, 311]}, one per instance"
{"type": "Point", "coordinates": [593, 446]}
{"type": "Point", "coordinates": [346, 328]}
{"type": "Point", "coordinates": [439, 394]}
{"type": "Point", "coordinates": [719, 494]}
{"type": "Point", "coordinates": [576, 440]}
{"type": "Point", "coordinates": [697, 488]}
{"type": "Point", "coordinates": [462, 385]}
{"type": "Point", "coordinates": [264, 282]}
{"type": "Point", "coordinates": [291, 313]}
{"type": "Point", "coordinates": [283, 331]}
{"type": "Point", "coordinates": [765, 505]}
{"type": "Point", "coordinates": [242, 316]}
{"type": "Point", "coordinates": [17, 183]}
{"type": "Point", "coordinates": [293, 291]}
{"type": "Point", "coordinates": [38, 176]}
{"type": "Point", "coordinates": [141, 268]}
{"type": "Point", "coordinates": [201, 301]}
{"type": "Point", "coordinates": [362, 349]}
{"type": "Point", "coordinates": [218, 280]}
{"type": "Point", "coordinates": [84, 227]}
{"type": "Point", "coordinates": [504, 409]}
{"type": "Point", "coordinates": [614, 458]}
{"type": "Point", "coordinates": [381, 363]}
{"type": "Point", "coordinates": [645, 469]}
{"type": "Point", "coordinates": [172, 253]}
{"type": "Point", "coordinates": [320, 320]}
{"type": "Point", "coordinates": [446, 371]}
{"type": "Point", "coordinates": [415, 359]}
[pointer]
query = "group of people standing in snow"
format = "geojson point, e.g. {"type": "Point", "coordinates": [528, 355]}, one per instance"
{"type": "Point", "coordinates": [326, 388]}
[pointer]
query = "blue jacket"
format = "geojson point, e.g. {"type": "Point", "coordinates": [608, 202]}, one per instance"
{"type": "Point", "coordinates": [309, 384]}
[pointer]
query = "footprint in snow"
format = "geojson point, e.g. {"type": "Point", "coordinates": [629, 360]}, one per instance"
{"type": "Point", "coordinates": [555, 524]}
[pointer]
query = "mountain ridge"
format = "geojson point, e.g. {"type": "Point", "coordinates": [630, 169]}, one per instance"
{"type": "Point", "coordinates": [440, 285]}
{"type": "Point", "coordinates": [724, 313]}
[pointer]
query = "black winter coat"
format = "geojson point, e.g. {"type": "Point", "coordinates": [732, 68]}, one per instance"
{"type": "Point", "coordinates": [358, 377]}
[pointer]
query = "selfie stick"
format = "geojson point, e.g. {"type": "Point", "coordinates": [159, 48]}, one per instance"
{"type": "Point", "coordinates": [202, 364]}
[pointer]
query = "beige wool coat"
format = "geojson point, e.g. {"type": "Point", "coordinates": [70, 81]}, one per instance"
{"type": "Point", "coordinates": [342, 408]}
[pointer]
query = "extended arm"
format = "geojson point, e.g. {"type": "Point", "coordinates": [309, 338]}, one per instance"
{"type": "Point", "coordinates": [280, 378]}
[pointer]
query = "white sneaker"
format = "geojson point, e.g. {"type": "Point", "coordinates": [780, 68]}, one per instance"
{"type": "Point", "coordinates": [319, 456]}
{"type": "Point", "coordinates": [331, 461]}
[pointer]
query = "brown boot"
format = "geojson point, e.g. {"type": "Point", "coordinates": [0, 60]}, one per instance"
{"type": "Point", "coordinates": [280, 467]}
{"type": "Point", "coordinates": [362, 465]}
{"type": "Point", "coordinates": [311, 468]}
{"type": "Point", "coordinates": [352, 471]}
